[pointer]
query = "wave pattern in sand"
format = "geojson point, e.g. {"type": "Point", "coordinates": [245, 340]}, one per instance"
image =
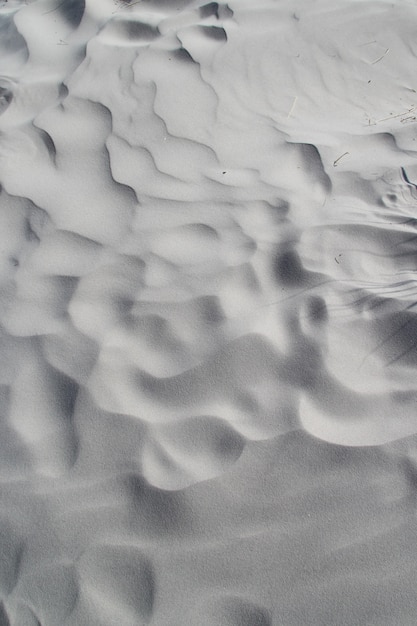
{"type": "Point", "coordinates": [207, 320]}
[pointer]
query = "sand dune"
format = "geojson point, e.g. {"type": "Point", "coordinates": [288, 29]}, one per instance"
{"type": "Point", "coordinates": [207, 298]}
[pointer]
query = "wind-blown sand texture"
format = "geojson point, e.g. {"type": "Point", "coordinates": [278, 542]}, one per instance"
{"type": "Point", "coordinates": [208, 337]}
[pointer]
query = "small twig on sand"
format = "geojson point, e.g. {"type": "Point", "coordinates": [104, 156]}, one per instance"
{"type": "Point", "coordinates": [410, 118]}
{"type": "Point", "coordinates": [338, 159]}
{"type": "Point", "coordinates": [293, 106]}
{"type": "Point", "coordinates": [392, 117]}
{"type": "Point", "coordinates": [381, 57]}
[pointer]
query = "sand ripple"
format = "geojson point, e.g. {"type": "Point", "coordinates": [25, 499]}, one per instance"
{"type": "Point", "coordinates": [207, 313]}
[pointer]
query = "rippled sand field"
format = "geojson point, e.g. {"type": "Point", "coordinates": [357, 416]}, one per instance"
{"type": "Point", "coordinates": [208, 331]}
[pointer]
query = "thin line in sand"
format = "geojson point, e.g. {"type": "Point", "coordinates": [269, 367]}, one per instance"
{"type": "Point", "coordinates": [338, 159]}
{"type": "Point", "coordinates": [367, 43]}
{"type": "Point", "coordinates": [121, 7]}
{"type": "Point", "coordinates": [292, 106]}
{"type": "Point", "coordinates": [380, 58]}
{"type": "Point", "coordinates": [392, 117]}
{"type": "Point", "coordinates": [54, 9]}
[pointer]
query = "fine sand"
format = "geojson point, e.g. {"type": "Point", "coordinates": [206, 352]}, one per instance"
{"type": "Point", "coordinates": [208, 341]}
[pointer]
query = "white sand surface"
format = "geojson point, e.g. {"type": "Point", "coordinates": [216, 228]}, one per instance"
{"type": "Point", "coordinates": [208, 342]}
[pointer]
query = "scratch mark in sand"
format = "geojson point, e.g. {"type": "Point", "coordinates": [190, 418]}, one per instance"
{"type": "Point", "coordinates": [293, 106]}
{"type": "Point", "coordinates": [380, 58]}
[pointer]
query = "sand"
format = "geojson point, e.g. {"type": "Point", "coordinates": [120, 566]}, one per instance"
{"type": "Point", "coordinates": [208, 345]}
